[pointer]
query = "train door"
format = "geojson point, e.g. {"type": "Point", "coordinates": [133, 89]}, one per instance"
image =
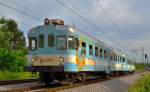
{"type": "Point", "coordinates": [82, 55]}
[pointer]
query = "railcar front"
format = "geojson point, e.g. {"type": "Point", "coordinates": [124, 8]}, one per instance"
{"type": "Point", "coordinates": [52, 51]}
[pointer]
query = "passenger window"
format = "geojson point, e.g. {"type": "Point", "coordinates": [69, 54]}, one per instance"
{"type": "Point", "coordinates": [77, 43]}
{"type": "Point", "coordinates": [96, 51]}
{"type": "Point", "coordinates": [32, 43]}
{"type": "Point", "coordinates": [71, 42]}
{"type": "Point", "coordinates": [123, 59]}
{"type": "Point", "coordinates": [120, 59]}
{"type": "Point", "coordinates": [105, 54]}
{"type": "Point", "coordinates": [51, 40]}
{"type": "Point", "coordinates": [111, 57]}
{"type": "Point", "coordinates": [83, 51]}
{"type": "Point", "coordinates": [41, 41]}
{"type": "Point", "coordinates": [114, 57]}
{"type": "Point", "coordinates": [90, 50]}
{"type": "Point", "coordinates": [101, 53]}
{"type": "Point", "coordinates": [83, 44]}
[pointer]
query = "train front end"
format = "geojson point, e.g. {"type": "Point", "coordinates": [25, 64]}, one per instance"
{"type": "Point", "coordinates": [52, 50]}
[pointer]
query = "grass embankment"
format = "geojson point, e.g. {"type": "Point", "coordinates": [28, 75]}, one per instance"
{"type": "Point", "coordinates": [141, 85]}
{"type": "Point", "coordinates": [6, 75]}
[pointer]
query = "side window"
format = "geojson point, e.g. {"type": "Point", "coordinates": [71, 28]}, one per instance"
{"type": "Point", "coordinates": [83, 44]}
{"type": "Point", "coordinates": [117, 58]}
{"type": "Point", "coordinates": [96, 51]}
{"type": "Point", "coordinates": [71, 42]}
{"type": "Point", "coordinates": [101, 52]}
{"type": "Point", "coordinates": [114, 57]}
{"type": "Point", "coordinates": [105, 54]}
{"type": "Point", "coordinates": [111, 57]}
{"type": "Point", "coordinates": [120, 59]}
{"type": "Point", "coordinates": [77, 43]}
{"type": "Point", "coordinates": [123, 60]}
{"type": "Point", "coordinates": [83, 51]}
{"type": "Point", "coordinates": [41, 41]}
{"type": "Point", "coordinates": [90, 50]}
{"type": "Point", "coordinates": [51, 40]}
{"type": "Point", "coordinates": [32, 43]}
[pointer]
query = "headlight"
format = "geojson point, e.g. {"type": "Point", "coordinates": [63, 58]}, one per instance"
{"type": "Point", "coordinates": [32, 60]}
{"type": "Point", "coordinates": [61, 59]}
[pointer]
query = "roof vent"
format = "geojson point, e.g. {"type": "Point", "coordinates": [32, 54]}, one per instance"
{"type": "Point", "coordinates": [53, 21]}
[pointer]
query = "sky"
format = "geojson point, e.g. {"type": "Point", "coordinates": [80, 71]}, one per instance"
{"type": "Point", "coordinates": [122, 24]}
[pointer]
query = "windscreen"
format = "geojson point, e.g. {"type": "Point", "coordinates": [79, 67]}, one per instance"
{"type": "Point", "coordinates": [61, 43]}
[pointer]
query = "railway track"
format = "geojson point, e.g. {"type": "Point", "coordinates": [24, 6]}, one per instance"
{"type": "Point", "coordinates": [8, 82]}
{"type": "Point", "coordinates": [54, 88]}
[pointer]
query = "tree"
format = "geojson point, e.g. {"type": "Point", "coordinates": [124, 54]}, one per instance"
{"type": "Point", "coordinates": [13, 36]}
{"type": "Point", "coordinates": [12, 45]}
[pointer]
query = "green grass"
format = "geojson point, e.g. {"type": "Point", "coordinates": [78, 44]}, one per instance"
{"type": "Point", "coordinates": [139, 67]}
{"type": "Point", "coordinates": [6, 75]}
{"type": "Point", "coordinates": [141, 85]}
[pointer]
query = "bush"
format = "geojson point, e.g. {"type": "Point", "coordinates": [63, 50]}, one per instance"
{"type": "Point", "coordinates": [12, 60]}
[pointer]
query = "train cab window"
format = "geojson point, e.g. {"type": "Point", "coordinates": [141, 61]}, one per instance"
{"type": "Point", "coordinates": [41, 41]}
{"type": "Point", "coordinates": [101, 52]}
{"type": "Point", "coordinates": [96, 51]}
{"type": "Point", "coordinates": [51, 40]}
{"type": "Point", "coordinates": [61, 43]}
{"type": "Point", "coordinates": [71, 42]}
{"type": "Point", "coordinates": [105, 54]}
{"type": "Point", "coordinates": [32, 43]}
{"type": "Point", "coordinates": [90, 50]}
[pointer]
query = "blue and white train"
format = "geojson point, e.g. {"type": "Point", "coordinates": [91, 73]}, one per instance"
{"type": "Point", "coordinates": [59, 51]}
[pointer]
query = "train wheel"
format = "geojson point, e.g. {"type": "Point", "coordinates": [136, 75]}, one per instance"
{"type": "Point", "coordinates": [46, 77]}
{"type": "Point", "coordinates": [82, 77]}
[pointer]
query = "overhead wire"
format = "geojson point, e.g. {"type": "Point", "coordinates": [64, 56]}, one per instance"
{"type": "Point", "coordinates": [88, 22]}
{"type": "Point", "coordinates": [111, 20]}
{"type": "Point", "coordinates": [21, 12]}
{"type": "Point", "coordinates": [23, 6]}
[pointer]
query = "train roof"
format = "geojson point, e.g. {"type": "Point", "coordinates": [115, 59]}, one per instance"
{"type": "Point", "coordinates": [76, 30]}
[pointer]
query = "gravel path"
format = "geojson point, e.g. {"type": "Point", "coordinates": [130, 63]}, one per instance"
{"type": "Point", "coordinates": [17, 86]}
{"type": "Point", "coordinates": [115, 85]}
